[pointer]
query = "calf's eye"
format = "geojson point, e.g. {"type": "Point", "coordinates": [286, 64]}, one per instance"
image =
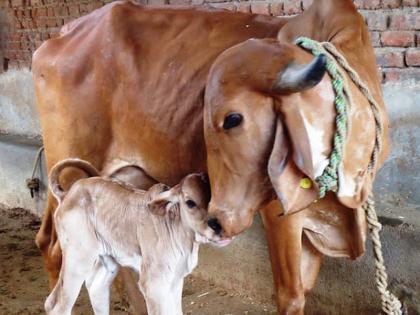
{"type": "Point", "coordinates": [190, 203]}
{"type": "Point", "coordinates": [232, 120]}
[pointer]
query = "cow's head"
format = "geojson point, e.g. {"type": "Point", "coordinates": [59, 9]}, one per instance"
{"type": "Point", "coordinates": [268, 123]}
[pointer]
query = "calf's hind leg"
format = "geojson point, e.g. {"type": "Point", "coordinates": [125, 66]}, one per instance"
{"type": "Point", "coordinates": [46, 238]}
{"type": "Point", "coordinates": [74, 271]}
{"type": "Point", "coordinates": [99, 282]}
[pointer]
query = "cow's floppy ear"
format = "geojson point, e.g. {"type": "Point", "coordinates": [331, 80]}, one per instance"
{"type": "Point", "coordinates": [293, 187]}
{"type": "Point", "coordinates": [165, 203]}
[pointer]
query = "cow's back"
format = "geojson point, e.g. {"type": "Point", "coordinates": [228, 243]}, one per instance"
{"type": "Point", "coordinates": [126, 83]}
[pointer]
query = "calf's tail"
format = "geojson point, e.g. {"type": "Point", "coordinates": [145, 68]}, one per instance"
{"type": "Point", "coordinates": [54, 183]}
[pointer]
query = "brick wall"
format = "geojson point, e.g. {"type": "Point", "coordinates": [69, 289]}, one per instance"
{"type": "Point", "coordinates": [394, 26]}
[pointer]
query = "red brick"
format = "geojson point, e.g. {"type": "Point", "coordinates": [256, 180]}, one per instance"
{"type": "Point", "coordinates": [243, 7]}
{"type": "Point", "coordinates": [25, 23]}
{"type": "Point", "coordinates": [15, 45]}
{"type": "Point", "coordinates": [276, 9]}
{"type": "Point", "coordinates": [259, 7]}
{"type": "Point", "coordinates": [391, 4]}
{"type": "Point", "coordinates": [375, 38]}
{"type": "Point", "coordinates": [411, 3]}
{"type": "Point", "coordinates": [18, 14]}
{"type": "Point", "coordinates": [397, 38]}
{"type": "Point", "coordinates": [39, 12]}
{"type": "Point", "coordinates": [399, 75]}
{"type": "Point", "coordinates": [27, 13]}
{"type": "Point", "coordinates": [15, 37]}
{"type": "Point", "coordinates": [41, 22]}
{"type": "Point", "coordinates": [50, 12]}
{"type": "Point", "coordinates": [390, 57]}
{"type": "Point", "coordinates": [412, 57]}
{"type": "Point", "coordinates": [31, 24]}
{"type": "Point", "coordinates": [17, 24]}
{"type": "Point", "coordinates": [61, 11]}
{"type": "Point", "coordinates": [376, 20]}
{"type": "Point", "coordinates": [52, 22]}
{"type": "Point", "coordinates": [74, 10]}
{"type": "Point", "coordinates": [84, 8]}
{"type": "Point", "coordinates": [292, 7]}
{"type": "Point", "coordinates": [60, 22]}
{"type": "Point", "coordinates": [67, 19]}
{"type": "Point", "coordinates": [368, 4]}
{"type": "Point", "coordinates": [17, 3]}
{"type": "Point", "coordinates": [407, 21]}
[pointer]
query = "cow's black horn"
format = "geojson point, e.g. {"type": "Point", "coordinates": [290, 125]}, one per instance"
{"type": "Point", "coordinates": [296, 78]}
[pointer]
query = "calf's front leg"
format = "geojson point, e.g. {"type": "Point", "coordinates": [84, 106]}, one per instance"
{"type": "Point", "coordinates": [162, 297]}
{"type": "Point", "coordinates": [295, 263]}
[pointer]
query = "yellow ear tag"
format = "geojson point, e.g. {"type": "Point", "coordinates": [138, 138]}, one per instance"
{"type": "Point", "coordinates": [305, 183]}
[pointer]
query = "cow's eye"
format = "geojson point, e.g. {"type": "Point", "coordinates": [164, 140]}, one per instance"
{"type": "Point", "coordinates": [190, 203]}
{"type": "Point", "coordinates": [232, 120]}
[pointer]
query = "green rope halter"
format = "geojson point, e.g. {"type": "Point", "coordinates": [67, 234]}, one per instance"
{"type": "Point", "coordinates": [328, 180]}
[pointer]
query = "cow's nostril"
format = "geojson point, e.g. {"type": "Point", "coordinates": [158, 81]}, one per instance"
{"type": "Point", "coordinates": [214, 225]}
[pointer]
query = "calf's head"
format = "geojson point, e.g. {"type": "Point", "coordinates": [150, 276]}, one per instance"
{"type": "Point", "coordinates": [188, 201]}
{"type": "Point", "coordinates": [268, 124]}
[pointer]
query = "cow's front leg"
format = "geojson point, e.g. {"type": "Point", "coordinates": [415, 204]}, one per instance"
{"type": "Point", "coordinates": [295, 264]}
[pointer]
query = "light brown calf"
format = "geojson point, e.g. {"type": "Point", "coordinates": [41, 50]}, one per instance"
{"type": "Point", "coordinates": [103, 224]}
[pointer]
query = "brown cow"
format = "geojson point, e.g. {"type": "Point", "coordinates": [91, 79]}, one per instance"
{"type": "Point", "coordinates": [124, 86]}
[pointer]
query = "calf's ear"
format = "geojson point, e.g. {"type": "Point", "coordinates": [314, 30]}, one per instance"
{"type": "Point", "coordinates": [293, 187]}
{"type": "Point", "coordinates": [165, 203]}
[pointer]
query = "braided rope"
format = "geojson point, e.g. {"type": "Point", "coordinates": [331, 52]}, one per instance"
{"type": "Point", "coordinates": [328, 180]}
{"type": "Point", "coordinates": [390, 303]}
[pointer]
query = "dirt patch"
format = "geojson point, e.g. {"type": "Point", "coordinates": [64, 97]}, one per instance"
{"type": "Point", "coordinates": [24, 288]}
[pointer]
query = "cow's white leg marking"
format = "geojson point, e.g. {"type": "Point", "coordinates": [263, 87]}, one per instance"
{"type": "Point", "coordinates": [99, 283]}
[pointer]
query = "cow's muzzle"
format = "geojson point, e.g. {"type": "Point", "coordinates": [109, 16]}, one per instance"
{"type": "Point", "coordinates": [227, 225]}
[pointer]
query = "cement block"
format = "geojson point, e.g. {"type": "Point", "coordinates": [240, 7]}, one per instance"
{"type": "Point", "coordinates": [16, 163]}
{"type": "Point", "coordinates": [18, 114]}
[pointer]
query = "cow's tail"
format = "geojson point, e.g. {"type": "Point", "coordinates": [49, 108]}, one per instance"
{"type": "Point", "coordinates": [54, 183]}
